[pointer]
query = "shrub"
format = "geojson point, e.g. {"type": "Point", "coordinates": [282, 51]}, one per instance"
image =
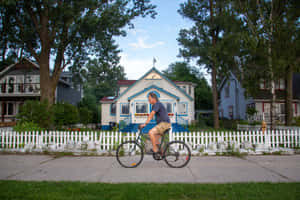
{"type": "Point", "coordinates": [85, 115]}
{"type": "Point", "coordinates": [27, 126]}
{"type": "Point", "coordinates": [297, 121]}
{"type": "Point", "coordinates": [251, 111]}
{"type": "Point", "coordinates": [65, 114]}
{"type": "Point", "coordinates": [36, 112]}
{"type": "Point", "coordinates": [228, 123]}
{"type": "Point", "coordinates": [244, 122]}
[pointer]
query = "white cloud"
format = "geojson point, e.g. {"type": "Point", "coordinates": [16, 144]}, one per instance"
{"type": "Point", "coordinates": [137, 67]}
{"type": "Point", "coordinates": [135, 31]}
{"type": "Point", "coordinates": [141, 43]}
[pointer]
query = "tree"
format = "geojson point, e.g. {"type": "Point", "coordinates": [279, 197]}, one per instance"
{"type": "Point", "coordinates": [212, 41]}
{"type": "Point", "coordinates": [271, 45]}
{"type": "Point", "coordinates": [181, 71]}
{"type": "Point", "coordinates": [67, 31]}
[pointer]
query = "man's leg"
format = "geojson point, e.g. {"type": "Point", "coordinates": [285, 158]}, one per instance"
{"type": "Point", "coordinates": [154, 136]}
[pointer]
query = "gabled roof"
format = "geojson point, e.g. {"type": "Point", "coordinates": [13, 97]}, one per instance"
{"type": "Point", "coordinates": [153, 87]}
{"type": "Point", "coordinates": [126, 82]}
{"type": "Point", "coordinates": [225, 79]}
{"type": "Point", "coordinates": [130, 82]}
{"type": "Point", "coordinates": [108, 99]}
{"type": "Point", "coordinates": [6, 69]}
{"type": "Point", "coordinates": [155, 70]}
{"type": "Point", "coordinates": [266, 94]}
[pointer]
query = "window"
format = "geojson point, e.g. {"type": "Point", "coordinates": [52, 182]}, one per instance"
{"type": "Point", "coordinates": [168, 107]}
{"type": "Point", "coordinates": [11, 82]}
{"type": "Point", "coordinates": [279, 85]}
{"type": "Point", "coordinates": [113, 109]}
{"type": "Point", "coordinates": [125, 108]}
{"type": "Point", "coordinates": [141, 108]}
{"type": "Point", "coordinates": [182, 107]}
{"type": "Point", "coordinates": [227, 91]}
{"type": "Point", "coordinates": [10, 109]}
{"type": "Point", "coordinates": [4, 108]}
{"type": "Point", "coordinates": [264, 85]}
{"type": "Point", "coordinates": [3, 85]}
{"type": "Point", "coordinates": [190, 89]}
{"type": "Point", "coordinates": [184, 88]}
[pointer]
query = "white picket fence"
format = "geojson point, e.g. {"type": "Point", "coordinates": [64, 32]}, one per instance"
{"type": "Point", "coordinates": [107, 141]}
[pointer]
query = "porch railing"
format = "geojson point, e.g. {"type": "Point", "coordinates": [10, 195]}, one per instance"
{"type": "Point", "coordinates": [180, 120]}
{"type": "Point", "coordinates": [19, 88]}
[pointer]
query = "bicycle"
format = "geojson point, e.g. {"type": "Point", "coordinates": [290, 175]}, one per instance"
{"type": "Point", "coordinates": [176, 154]}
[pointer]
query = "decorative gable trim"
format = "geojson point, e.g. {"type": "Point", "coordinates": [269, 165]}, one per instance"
{"type": "Point", "coordinates": [153, 87]}
{"type": "Point", "coordinates": [163, 76]}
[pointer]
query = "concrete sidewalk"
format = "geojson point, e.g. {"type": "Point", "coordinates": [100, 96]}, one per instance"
{"type": "Point", "coordinates": [208, 169]}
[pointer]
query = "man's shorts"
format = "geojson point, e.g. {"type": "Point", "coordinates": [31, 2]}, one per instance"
{"type": "Point", "coordinates": [162, 127]}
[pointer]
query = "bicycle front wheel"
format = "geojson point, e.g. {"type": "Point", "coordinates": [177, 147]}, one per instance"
{"type": "Point", "coordinates": [129, 154]}
{"type": "Point", "coordinates": [177, 154]}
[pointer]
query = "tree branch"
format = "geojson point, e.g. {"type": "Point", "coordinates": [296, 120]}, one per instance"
{"type": "Point", "coordinates": [28, 43]}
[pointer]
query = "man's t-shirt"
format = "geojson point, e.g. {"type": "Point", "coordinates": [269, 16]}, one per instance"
{"type": "Point", "coordinates": [161, 113]}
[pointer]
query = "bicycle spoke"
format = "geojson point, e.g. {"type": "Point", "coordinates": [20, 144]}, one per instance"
{"type": "Point", "coordinates": [177, 154]}
{"type": "Point", "coordinates": [129, 154]}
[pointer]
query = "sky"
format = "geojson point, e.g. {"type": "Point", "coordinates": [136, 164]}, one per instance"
{"type": "Point", "coordinates": [153, 38]}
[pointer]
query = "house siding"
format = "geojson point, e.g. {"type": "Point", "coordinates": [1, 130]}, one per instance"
{"type": "Point", "coordinates": [236, 99]}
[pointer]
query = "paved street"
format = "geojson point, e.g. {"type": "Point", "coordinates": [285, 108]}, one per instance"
{"type": "Point", "coordinates": [208, 169]}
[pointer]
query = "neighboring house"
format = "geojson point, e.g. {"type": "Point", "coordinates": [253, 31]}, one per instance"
{"type": "Point", "coordinates": [233, 104]}
{"type": "Point", "coordinates": [131, 107]}
{"type": "Point", "coordinates": [21, 81]}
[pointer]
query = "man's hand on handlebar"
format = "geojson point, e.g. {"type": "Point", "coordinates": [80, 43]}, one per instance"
{"type": "Point", "coordinates": [142, 126]}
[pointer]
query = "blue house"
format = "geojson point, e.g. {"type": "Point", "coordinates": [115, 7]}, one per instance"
{"type": "Point", "coordinates": [233, 103]}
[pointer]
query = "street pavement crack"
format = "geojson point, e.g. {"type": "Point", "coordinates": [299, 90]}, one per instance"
{"type": "Point", "coordinates": [193, 175]}
{"type": "Point", "coordinates": [22, 171]}
{"type": "Point", "coordinates": [270, 170]}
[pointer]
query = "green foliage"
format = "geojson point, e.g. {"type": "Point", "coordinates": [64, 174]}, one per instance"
{"type": "Point", "coordinates": [65, 114]}
{"type": "Point", "coordinates": [70, 32]}
{"type": "Point", "coordinates": [182, 71]}
{"type": "Point", "coordinates": [251, 111]}
{"type": "Point", "coordinates": [90, 102]}
{"type": "Point", "coordinates": [85, 115]}
{"type": "Point", "coordinates": [297, 121]}
{"type": "Point", "coordinates": [229, 123]}
{"type": "Point", "coordinates": [37, 112]}
{"type": "Point", "coordinates": [27, 126]}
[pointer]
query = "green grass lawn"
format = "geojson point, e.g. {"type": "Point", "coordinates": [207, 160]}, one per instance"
{"type": "Point", "coordinates": [80, 190]}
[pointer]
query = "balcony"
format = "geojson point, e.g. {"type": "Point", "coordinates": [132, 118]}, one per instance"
{"type": "Point", "coordinates": [19, 89]}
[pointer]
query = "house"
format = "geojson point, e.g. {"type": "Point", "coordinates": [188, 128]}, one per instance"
{"type": "Point", "coordinates": [233, 103]}
{"type": "Point", "coordinates": [130, 106]}
{"type": "Point", "coordinates": [21, 82]}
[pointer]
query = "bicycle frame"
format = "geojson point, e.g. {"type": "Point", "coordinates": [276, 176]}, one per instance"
{"type": "Point", "coordinates": [142, 143]}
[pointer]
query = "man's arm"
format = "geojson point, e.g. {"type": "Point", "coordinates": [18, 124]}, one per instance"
{"type": "Point", "coordinates": [149, 118]}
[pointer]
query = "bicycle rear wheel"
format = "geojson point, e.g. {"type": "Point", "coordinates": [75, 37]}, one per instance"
{"type": "Point", "coordinates": [177, 154]}
{"type": "Point", "coordinates": [129, 154]}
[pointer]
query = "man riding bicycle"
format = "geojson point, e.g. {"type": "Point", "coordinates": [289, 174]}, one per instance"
{"type": "Point", "coordinates": [162, 121]}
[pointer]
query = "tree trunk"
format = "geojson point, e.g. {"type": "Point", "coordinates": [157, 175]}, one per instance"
{"type": "Point", "coordinates": [270, 63]}
{"type": "Point", "coordinates": [47, 84]}
{"type": "Point", "coordinates": [289, 96]}
{"type": "Point", "coordinates": [215, 97]}
{"type": "Point", "coordinates": [214, 36]}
